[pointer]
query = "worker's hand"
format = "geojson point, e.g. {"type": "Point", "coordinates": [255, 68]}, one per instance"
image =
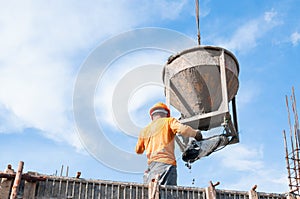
{"type": "Point", "coordinates": [198, 136]}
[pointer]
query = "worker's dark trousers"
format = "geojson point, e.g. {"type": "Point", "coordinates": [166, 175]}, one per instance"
{"type": "Point", "coordinates": [167, 173]}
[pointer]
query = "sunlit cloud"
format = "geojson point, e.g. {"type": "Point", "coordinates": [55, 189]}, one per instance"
{"type": "Point", "coordinates": [41, 48]}
{"type": "Point", "coordinates": [249, 161]}
{"type": "Point", "coordinates": [246, 36]}
{"type": "Point", "coordinates": [269, 16]}
{"type": "Point", "coordinates": [295, 38]}
{"type": "Point", "coordinates": [137, 98]}
{"type": "Point", "coordinates": [169, 9]}
{"type": "Point", "coordinates": [242, 158]}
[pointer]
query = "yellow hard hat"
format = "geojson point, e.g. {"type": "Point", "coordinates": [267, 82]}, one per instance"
{"type": "Point", "coordinates": [159, 107]}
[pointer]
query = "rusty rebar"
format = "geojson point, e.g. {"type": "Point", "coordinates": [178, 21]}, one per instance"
{"type": "Point", "coordinates": [295, 165]}
{"type": "Point", "coordinates": [295, 108]}
{"type": "Point", "coordinates": [295, 122]}
{"type": "Point", "coordinates": [296, 128]}
{"type": "Point", "coordinates": [293, 157]}
{"type": "Point", "coordinates": [287, 160]}
{"type": "Point", "coordinates": [14, 190]}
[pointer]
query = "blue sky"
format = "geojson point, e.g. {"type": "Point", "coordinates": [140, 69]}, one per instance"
{"type": "Point", "coordinates": [45, 46]}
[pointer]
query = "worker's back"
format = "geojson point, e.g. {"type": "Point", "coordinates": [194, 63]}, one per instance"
{"type": "Point", "coordinates": [157, 138]}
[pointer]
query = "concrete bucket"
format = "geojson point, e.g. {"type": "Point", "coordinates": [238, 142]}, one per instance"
{"type": "Point", "coordinates": [200, 82]}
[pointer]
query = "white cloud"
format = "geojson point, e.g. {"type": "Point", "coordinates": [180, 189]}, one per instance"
{"type": "Point", "coordinates": [249, 161]}
{"type": "Point", "coordinates": [269, 16]}
{"type": "Point", "coordinates": [171, 9]}
{"type": "Point", "coordinates": [204, 8]}
{"type": "Point", "coordinates": [10, 122]}
{"type": "Point", "coordinates": [268, 181]}
{"type": "Point", "coordinates": [246, 36]}
{"type": "Point", "coordinates": [244, 158]}
{"type": "Point", "coordinates": [295, 38]}
{"type": "Point", "coordinates": [138, 98]}
{"type": "Point", "coordinates": [35, 90]}
{"type": "Point", "coordinates": [41, 47]}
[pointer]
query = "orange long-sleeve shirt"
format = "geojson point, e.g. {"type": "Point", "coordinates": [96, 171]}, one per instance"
{"type": "Point", "coordinates": [157, 138]}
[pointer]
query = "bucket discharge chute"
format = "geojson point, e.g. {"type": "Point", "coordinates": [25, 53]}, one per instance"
{"type": "Point", "coordinates": [201, 83]}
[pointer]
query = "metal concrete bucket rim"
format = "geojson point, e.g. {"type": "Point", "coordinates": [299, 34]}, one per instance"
{"type": "Point", "coordinates": [175, 56]}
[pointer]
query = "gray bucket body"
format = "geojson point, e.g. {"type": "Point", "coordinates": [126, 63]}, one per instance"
{"type": "Point", "coordinates": [192, 80]}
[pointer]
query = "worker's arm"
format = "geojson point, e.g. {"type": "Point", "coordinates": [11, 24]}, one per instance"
{"type": "Point", "coordinates": [185, 130]}
{"type": "Point", "coordinates": [140, 148]}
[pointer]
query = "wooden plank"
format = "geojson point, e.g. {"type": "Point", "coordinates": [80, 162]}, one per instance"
{"type": "Point", "coordinates": [211, 191]}
{"type": "Point", "coordinates": [5, 187]}
{"type": "Point", "coordinates": [252, 193]}
{"type": "Point", "coordinates": [30, 187]}
{"type": "Point", "coordinates": [153, 189]}
{"type": "Point", "coordinates": [6, 183]}
{"type": "Point", "coordinates": [29, 190]}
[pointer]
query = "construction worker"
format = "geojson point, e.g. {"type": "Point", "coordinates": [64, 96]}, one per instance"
{"type": "Point", "coordinates": [157, 138]}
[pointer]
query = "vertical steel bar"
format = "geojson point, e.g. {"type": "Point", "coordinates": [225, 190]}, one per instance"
{"type": "Point", "coordinates": [124, 192]}
{"type": "Point", "coordinates": [53, 191]}
{"type": "Point", "coordinates": [80, 190]}
{"type": "Point", "coordinates": [61, 170]}
{"type": "Point", "coordinates": [106, 190]}
{"type": "Point", "coordinates": [296, 127]}
{"type": "Point", "coordinates": [296, 148]}
{"type": "Point", "coordinates": [59, 187]}
{"type": "Point", "coordinates": [289, 118]}
{"type": "Point", "coordinates": [295, 124]}
{"type": "Point", "coordinates": [67, 188]}
{"type": "Point", "coordinates": [112, 191]}
{"type": "Point", "coordinates": [294, 152]}
{"type": "Point", "coordinates": [100, 188]}
{"type": "Point", "coordinates": [297, 174]}
{"type": "Point", "coordinates": [93, 190]}
{"type": "Point", "coordinates": [130, 192]}
{"type": "Point", "coordinates": [73, 188]}
{"type": "Point", "coordinates": [292, 142]}
{"type": "Point", "coordinates": [287, 160]}
{"type": "Point", "coordinates": [86, 190]}
{"type": "Point", "coordinates": [67, 172]}
{"type": "Point", "coordinates": [295, 108]}
{"type": "Point", "coordinates": [136, 191]}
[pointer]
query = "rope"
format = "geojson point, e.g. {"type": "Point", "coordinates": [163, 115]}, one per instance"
{"type": "Point", "coordinates": [197, 20]}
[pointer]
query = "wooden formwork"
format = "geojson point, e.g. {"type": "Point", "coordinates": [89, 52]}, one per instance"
{"type": "Point", "coordinates": [67, 187]}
